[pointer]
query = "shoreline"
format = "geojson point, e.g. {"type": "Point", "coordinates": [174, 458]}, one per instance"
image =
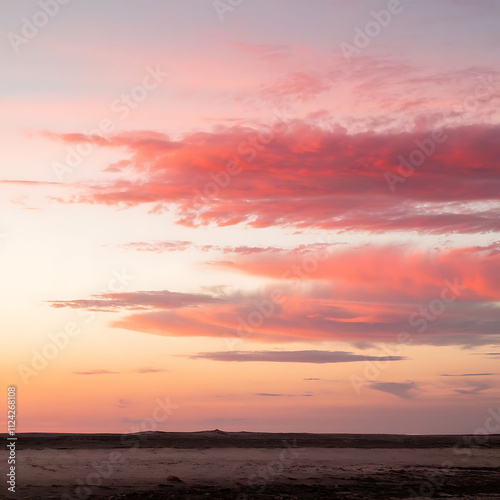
{"type": "Point", "coordinates": [222, 439]}
{"type": "Point", "coordinates": [246, 466]}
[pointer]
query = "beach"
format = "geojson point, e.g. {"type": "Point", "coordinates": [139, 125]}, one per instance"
{"type": "Point", "coordinates": [243, 465]}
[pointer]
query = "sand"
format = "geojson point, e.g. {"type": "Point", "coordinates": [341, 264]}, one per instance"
{"type": "Point", "coordinates": [242, 466]}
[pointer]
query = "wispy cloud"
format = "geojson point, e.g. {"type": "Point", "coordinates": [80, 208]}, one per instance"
{"type": "Point", "coordinates": [466, 374]}
{"type": "Point", "coordinates": [150, 370]}
{"type": "Point", "coordinates": [293, 356]}
{"type": "Point", "coordinates": [163, 299]}
{"type": "Point", "coordinates": [487, 355]}
{"type": "Point", "coordinates": [108, 372]}
{"type": "Point", "coordinates": [474, 389]}
{"type": "Point", "coordinates": [400, 389]}
{"type": "Point", "coordinates": [181, 246]}
{"type": "Point", "coordinates": [97, 372]}
{"type": "Point", "coordinates": [274, 395]}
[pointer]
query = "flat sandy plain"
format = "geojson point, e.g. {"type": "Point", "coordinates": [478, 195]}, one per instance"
{"type": "Point", "coordinates": [247, 465]}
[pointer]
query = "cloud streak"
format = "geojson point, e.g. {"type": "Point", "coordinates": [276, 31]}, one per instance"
{"type": "Point", "coordinates": [108, 372]}
{"type": "Point", "coordinates": [311, 356]}
{"type": "Point", "coordinates": [112, 302]}
{"type": "Point", "coordinates": [467, 375]}
{"type": "Point", "coordinates": [361, 295]}
{"type": "Point", "coordinates": [400, 389]}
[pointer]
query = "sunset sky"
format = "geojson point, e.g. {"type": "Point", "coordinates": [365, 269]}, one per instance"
{"type": "Point", "coordinates": [274, 215]}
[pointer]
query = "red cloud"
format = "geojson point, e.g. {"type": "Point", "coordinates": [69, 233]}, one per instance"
{"type": "Point", "coordinates": [303, 318]}
{"type": "Point", "coordinates": [370, 294]}
{"type": "Point", "coordinates": [309, 177]}
{"type": "Point", "coordinates": [390, 272]}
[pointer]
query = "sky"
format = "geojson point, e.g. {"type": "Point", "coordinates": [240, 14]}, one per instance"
{"type": "Point", "coordinates": [258, 215]}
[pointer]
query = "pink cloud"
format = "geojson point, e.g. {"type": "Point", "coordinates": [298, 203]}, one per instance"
{"type": "Point", "coordinates": [311, 177]}
{"type": "Point", "coordinates": [363, 296]}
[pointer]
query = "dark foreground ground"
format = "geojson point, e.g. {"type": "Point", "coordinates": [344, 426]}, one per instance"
{"type": "Point", "coordinates": [244, 466]}
{"type": "Point", "coordinates": [221, 439]}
